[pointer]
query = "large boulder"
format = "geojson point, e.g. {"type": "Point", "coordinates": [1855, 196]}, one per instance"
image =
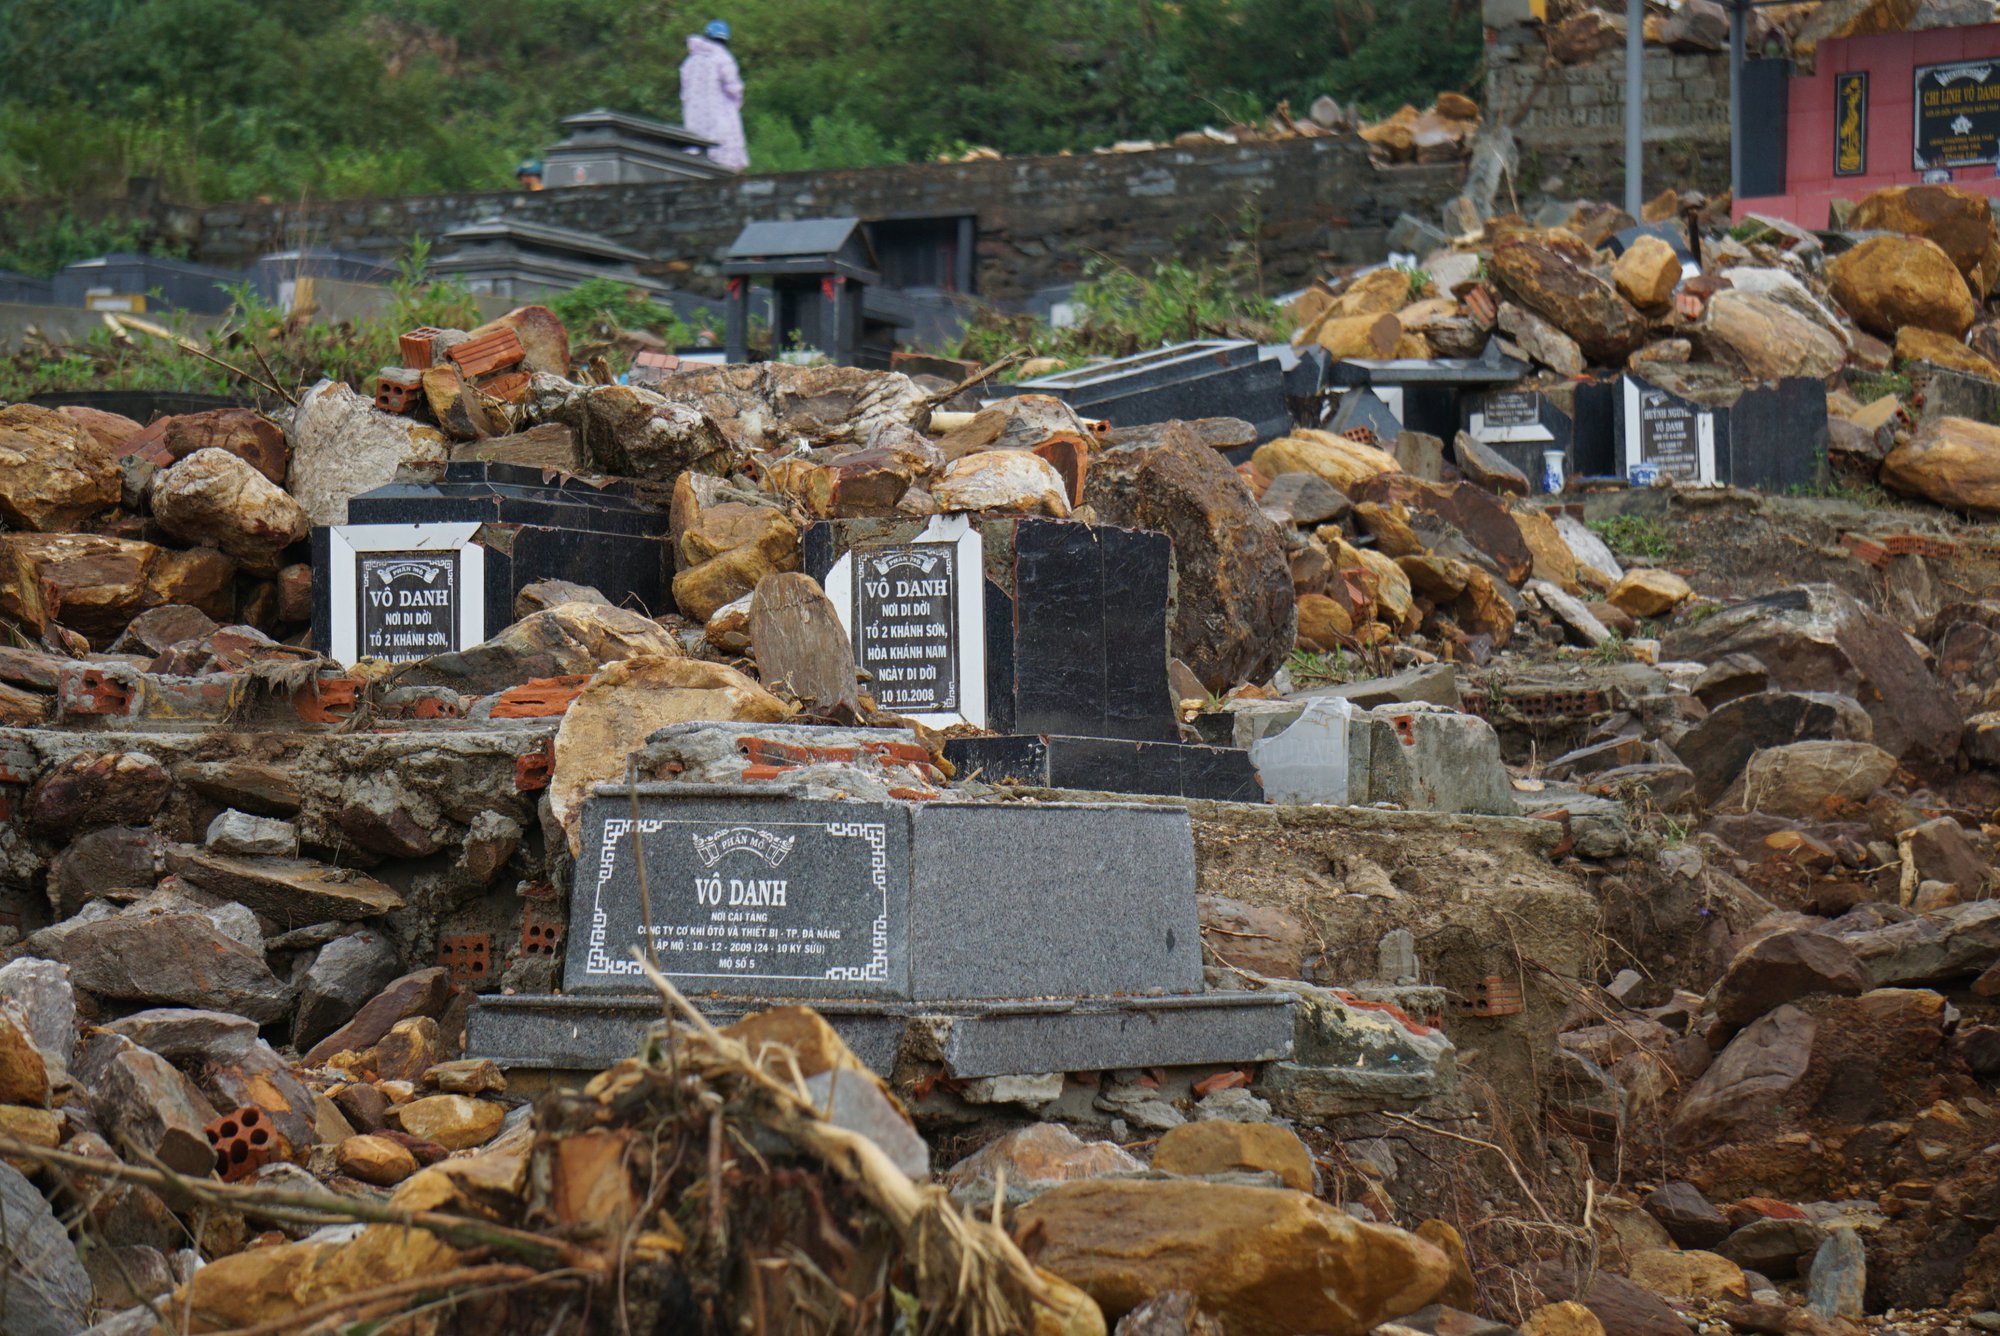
{"type": "Point", "coordinates": [1764, 339]}
{"type": "Point", "coordinates": [726, 550]}
{"type": "Point", "coordinates": [562, 641]}
{"type": "Point", "coordinates": [1570, 297]}
{"type": "Point", "coordinates": [213, 496]}
{"type": "Point", "coordinates": [1784, 967]}
{"type": "Point", "coordinates": [1888, 282]}
{"type": "Point", "coordinates": [1333, 459]}
{"type": "Point", "coordinates": [1719, 748]}
{"type": "Point", "coordinates": [1959, 221]}
{"type": "Point", "coordinates": [137, 1094]}
{"type": "Point", "coordinates": [637, 433]}
{"type": "Point", "coordinates": [243, 432]}
{"type": "Point", "coordinates": [1816, 638]}
{"type": "Point", "coordinates": [1647, 273]}
{"type": "Point", "coordinates": [167, 954]}
{"type": "Point", "coordinates": [766, 405]}
{"type": "Point", "coordinates": [1952, 461]}
{"type": "Point", "coordinates": [1805, 779]}
{"type": "Point", "coordinates": [1236, 616]}
{"type": "Point", "coordinates": [98, 585]}
{"type": "Point", "coordinates": [631, 699]}
{"type": "Point", "coordinates": [1262, 1261]}
{"type": "Point", "coordinates": [342, 446]}
{"type": "Point", "coordinates": [53, 473]}
{"type": "Point", "coordinates": [1822, 1069]}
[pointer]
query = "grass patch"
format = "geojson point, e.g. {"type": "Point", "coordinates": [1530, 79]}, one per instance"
{"type": "Point", "coordinates": [1635, 536]}
{"type": "Point", "coordinates": [1868, 386]}
{"type": "Point", "coordinates": [1320, 668]}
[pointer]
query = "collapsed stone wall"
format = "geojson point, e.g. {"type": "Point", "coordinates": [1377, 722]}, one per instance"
{"type": "Point", "coordinates": [1311, 202]}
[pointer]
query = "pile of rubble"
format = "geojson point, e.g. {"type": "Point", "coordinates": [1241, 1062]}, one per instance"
{"type": "Point", "coordinates": [1442, 132]}
{"type": "Point", "coordinates": [250, 893]}
{"type": "Point", "coordinates": [1580, 29]}
{"type": "Point", "coordinates": [1892, 318]}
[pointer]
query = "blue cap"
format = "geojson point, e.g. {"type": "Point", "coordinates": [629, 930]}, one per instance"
{"type": "Point", "coordinates": [716, 30]}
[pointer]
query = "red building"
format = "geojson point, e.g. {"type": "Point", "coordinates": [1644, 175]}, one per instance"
{"type": "Point", "coordinates": [1888, 109]}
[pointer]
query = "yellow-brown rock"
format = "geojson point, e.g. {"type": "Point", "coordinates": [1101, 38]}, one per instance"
{"type": "Point", "coordinates": [215, 497]}
{"type": "Point", "coordinates": [1764, 339]}
{"type": "Point", "coordinates": [1957, 219]}
{"type": "Point", "coordinates": [1066, 1310]}
{"type": "Point", "coordinates": [1395, 601]}
{"type": "Point", "coordinates": [1647, 273]}
{"type": "Point", "coordinates": [24, 1076]}
{"type": "Point", "coordinates": [1568, 1318]}
{"type": "Point", "coordinates": [41, 1128]}
{"type": "Point", "coordinates": [1218, 1146]}
{"type": "Point", "coordinates": [1335, 458]}
{"type": "Point", "coordinates": [732, 524]}
{"type": "Point", "coordinates": [1888, 282]}
{"type": "Point", "coordinates": [1954, 462]}
{"type": "Point", "coordinates": [1323, 623]}
{"type": "Point", "coordinates": [1914, 344]}
{"type": "Point", "coordinates": [1688, 1275]}
{"type": "Point", "coordinates": [1553, 560]}
{"type": "Point", "coordinates": [1439, 579]}
{"type": "Point", "coordinates": [1383, 291]}
{"type": "Point", "coordinates": [89, 584]}
{"type": "Point", "coordinates": [625, 702]}
{"type": "Point", "coordinates": [1461, 1291]}
{"type": "Point", "coordinates": [1483, 610]}
{"type": "Point", "coordinates": [1014, 482]}
{"type": "Point", "coordinates": [1389, 526]}
{"type": "Point", "coordinates": [1577, 302]}
{"type": "Point", "coordinates": [1457, 107]}
{"type": "Point", "coordinates": [1264, 1261]}
{"type": "Point", "coordinates": [53, 473]}
{"type": "Point", "coordinates": [1650, 592]}
{"type": "Point", "coordinates": [456, 1122]}
{"type": "Point", "coordinates": [376, 1160]}
{"type": "Point", "coordinates": [272, 1284]}
{"type": "Point", "coordinates": [1359, 335]}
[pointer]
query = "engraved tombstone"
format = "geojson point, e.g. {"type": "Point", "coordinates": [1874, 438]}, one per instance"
{"type": "Point", "coordinates": [917, 615]}
{"type": "Point", "coordinates": [1666, 436]}
{"type": "Point", "coordinates": [399, 592]}
{"type": "Point", "coordinates": [748, 896]}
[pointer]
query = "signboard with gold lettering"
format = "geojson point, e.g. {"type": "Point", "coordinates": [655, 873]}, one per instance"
{"type": "Point", "coordinates": [1957, 114]}
{"type": "Point", "coordinates": [1850, 124]}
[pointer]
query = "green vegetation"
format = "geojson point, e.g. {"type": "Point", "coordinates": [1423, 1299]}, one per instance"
{"type": "Point", "coordinates": [604, 305]}
{"type": "Point", "coordinates": [1610, 652]}
{"type": "Point", "coordinates": [233, 99]}
{"type": "Point", "coordinates": [1635, 536]}
{"type": "Point", "coordinates": [1868, 386]}
{"type": "Point", "coordinates": [1419, 280]}
{"type": "Point", "coordinates": [1122, 311]}
{"type": "Point", "coordinates": [1314, 668]}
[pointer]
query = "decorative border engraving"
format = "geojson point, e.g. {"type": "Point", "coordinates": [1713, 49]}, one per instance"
{"type": "Point", "coordinates": [598, 960]}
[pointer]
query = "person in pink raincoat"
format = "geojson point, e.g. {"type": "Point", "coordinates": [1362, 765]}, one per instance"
{"type": "Point", "coordinates": [712, 95]}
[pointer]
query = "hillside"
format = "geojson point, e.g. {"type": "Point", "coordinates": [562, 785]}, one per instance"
{"type": "Point", "coordinates": [226, 99]}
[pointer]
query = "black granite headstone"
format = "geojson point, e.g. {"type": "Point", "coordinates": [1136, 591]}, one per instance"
{"type": "Point", "coordinates": [531, 526]}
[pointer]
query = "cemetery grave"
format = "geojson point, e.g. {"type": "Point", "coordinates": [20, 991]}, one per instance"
{"type": "Point", "coordinates": [1435, 811]}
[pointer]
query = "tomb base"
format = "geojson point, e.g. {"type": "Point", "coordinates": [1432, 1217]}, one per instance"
{"type": "Point", "coordinates": [560, 1033]}
{"type": "Point", "coordinates": [1108, 765]}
